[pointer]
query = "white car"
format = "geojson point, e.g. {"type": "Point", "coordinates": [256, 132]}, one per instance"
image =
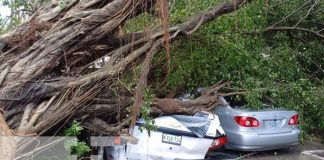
{"type": "Point", "coordinates": [176, 137]}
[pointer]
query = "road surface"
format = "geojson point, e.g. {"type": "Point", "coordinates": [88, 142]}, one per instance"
{"type": "Point", "coordinates": [292, 153]}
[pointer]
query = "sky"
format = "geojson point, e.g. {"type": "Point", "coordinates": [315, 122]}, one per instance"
{"type": "Point", "coordinates": [4, 11]}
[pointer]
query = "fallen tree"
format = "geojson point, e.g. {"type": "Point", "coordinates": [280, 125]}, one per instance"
{"type": "Point", "coordinates": [45, 73]}
{"type": "Point", "coordinates": [7, 144]}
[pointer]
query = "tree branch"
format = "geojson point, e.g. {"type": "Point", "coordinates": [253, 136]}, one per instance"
{"type": "Point", "coordinates": [276, 29]}
{"type": "Point", "coordinates": [292, 13]}
{"type": "Point", "coordinates": [142, 83]}
{"type": "Point", "coordinates": [308, 12]}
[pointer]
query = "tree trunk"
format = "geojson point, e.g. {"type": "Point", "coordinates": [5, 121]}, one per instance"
{"type": "Point", "coordinates": [45, 73]}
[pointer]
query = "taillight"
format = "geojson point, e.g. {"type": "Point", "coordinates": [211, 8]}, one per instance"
{"type": "Point", "coordinates": [293, 120]}
{"type": "Point", "coordinates": [246, 121]}
{"type": "Point", "coordinates": [117, 140]}
{"type": "Point", "coordinates": [217, 143]}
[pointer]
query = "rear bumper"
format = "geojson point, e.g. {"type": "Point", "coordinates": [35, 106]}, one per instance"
{"type": "Point", "coordinates": [250, 141]}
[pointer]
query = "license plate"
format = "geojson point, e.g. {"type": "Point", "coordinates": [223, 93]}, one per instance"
{"type": "Point", "coordinates": [172, 139]}
{"type": "Point", "coordinates": [272, 124]}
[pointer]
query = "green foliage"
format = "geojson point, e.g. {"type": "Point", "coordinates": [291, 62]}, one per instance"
{"type": "Point", "coordinates": [77, 147]}
{"type": "Point", "coordinates": [183, 9]}
{"type": "Point", "coordinates": [144, 21]}
{"type": "Point", "coordinates": [80, 149]}
{"type": "Point", "coordinates": [74, 130]}
{"type": "Point", "coordinates": [149, 124]}
{"type": "Point", "coordinates": [275, 69]}
{"type": "Point", "coordinates": [20, 10]}
{"type": "Point", "coordinates": [62, 3]}
{"type": "Point", "coordinates": [2, 25]}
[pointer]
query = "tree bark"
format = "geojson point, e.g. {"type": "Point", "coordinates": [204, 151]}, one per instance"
{"type": "Point", "coordinates": [41, 72]}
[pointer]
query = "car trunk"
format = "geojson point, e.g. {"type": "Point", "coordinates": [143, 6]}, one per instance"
{"type": "Point", "coordinates": [176, 136]}
{"type": "Point", "coordinates": [272, 121]}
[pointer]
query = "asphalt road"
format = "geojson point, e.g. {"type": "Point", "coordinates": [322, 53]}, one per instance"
{"type": "Point", "coordinates": [292, 153]}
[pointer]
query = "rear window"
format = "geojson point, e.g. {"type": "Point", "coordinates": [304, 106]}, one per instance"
{"type": "Point", "coordinates": [262, 108]}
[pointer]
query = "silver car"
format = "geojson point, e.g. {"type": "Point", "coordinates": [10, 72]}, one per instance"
{"type": "Point", "coordinates": [258, 130]}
